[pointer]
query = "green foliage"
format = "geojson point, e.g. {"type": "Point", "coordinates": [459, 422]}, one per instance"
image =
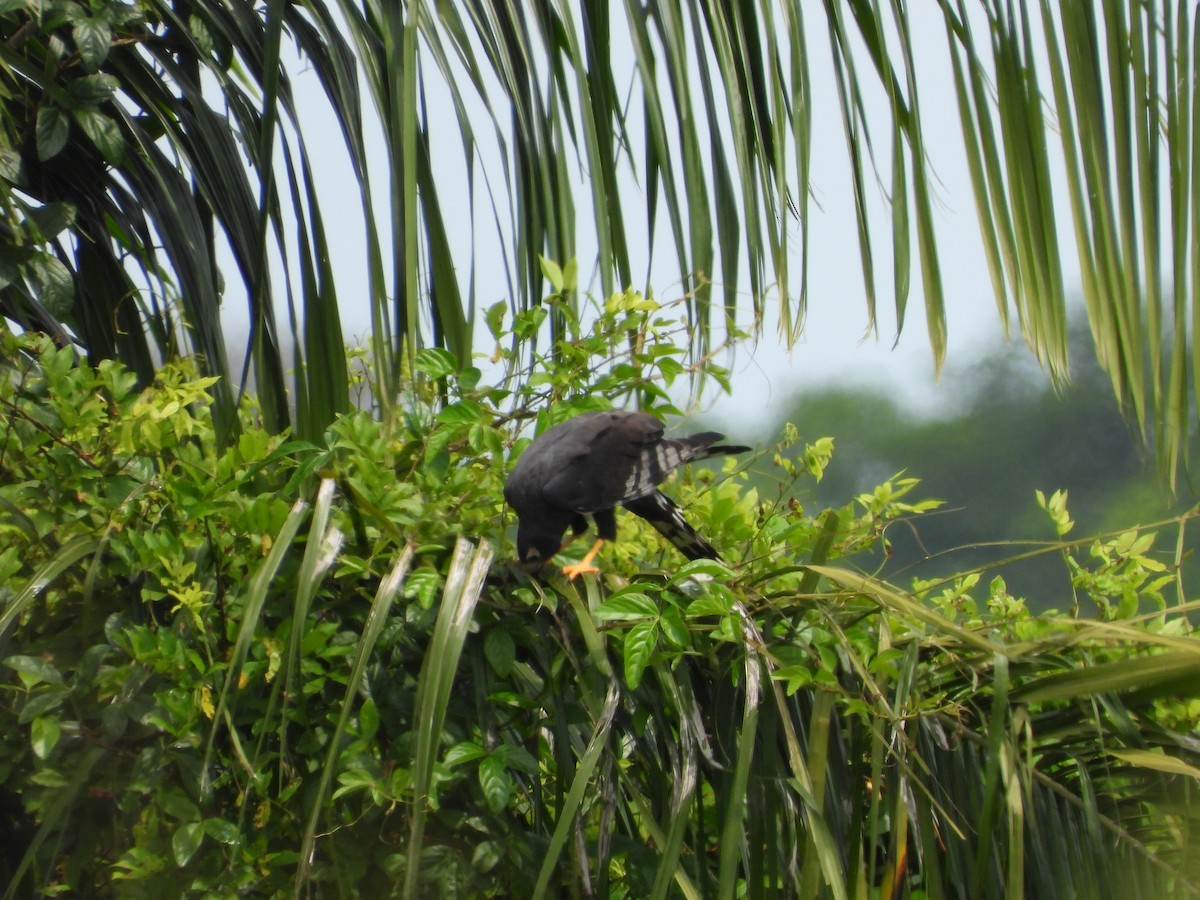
{"type": "Point", "coordinates": [1005, 452]}
{"type": "Point", "coordinates": [281, 666]}
{"type": "Point", "coordinates": [155, 171]}
{"type": "Point", "coordinates": [124, 175]}
{"type": "Point", "coordinates": [52, 85]}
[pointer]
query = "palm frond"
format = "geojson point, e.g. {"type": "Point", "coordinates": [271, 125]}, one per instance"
{"type": "Point", "coordinates": [173, 141]}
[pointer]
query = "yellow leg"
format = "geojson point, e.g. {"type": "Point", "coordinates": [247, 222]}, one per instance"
{"type": "Point", "coordinates": [585, 564]}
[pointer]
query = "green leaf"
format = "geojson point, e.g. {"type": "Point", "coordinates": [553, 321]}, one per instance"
{"type": "Point", "coordinates": [186, 841]}
{"type": "Point", "coordinates": [423, 585]}
{"type": "Point", "coordinates": [53, 126]}
{"type": "Point", "coordinates": [464, 412]}
{"type": "Point", "coordinates": [552, 273]}
{"type": "Point", "coordinates": [469, 378]}
{"type": "Point", "coordinates": [221, 830]}
{"type": "Point", "coordinates": [103, 132]}
{"type": "Point", "coordinates": [795, 677]}
{"type": "Point", "coordinates": [674, 628]}
{"type": "Point", "coordinates": [500, 650]}
{"type": "Point", "coordinates": [627, 606]}
{"type": "Point", "coordinates": [601, 734]}
{"type": "Point", "coordinates": [711, 605]}
{"type": "Point", "coordinates": [497, 784]}
{"type": "Point", "coordinates": [464, 584]}
{"type": "Point", "coordinates": [56, 286]}
{"type": "Point", "coordinates": [93, 38]}
{"type": "Point", "coordinates": [436, 362]}
{"type": "Point", "coordinates": [709, 567]}
{"type": "Point", "coordinates": [200, 34]}
{"type": "Point", "coordinates": [1162, 671]}
{"type": "Point", "coordinates": [368, 720]}
{"type": "Point", "coordinates": [640, 641]}
{"type": "Point", "coordinates": [50, 778]}
{"type": "Point", "coordinates": [92, 90]}
{"type": "Point", "coordinates": [52, 219]}
{"type": "Point", "coordinates": [41, 703]}
{"type": "Point", "coordinates": [10, 165]}
{"type": "Point", "coordinates": [487, 855]}
{"type": "Point", "coordinates": [177, 804]}
{"type": "Point", "coordinates": [518, 758]}
{"type": "Point", "coordinates": [1157, 761]}
{"type": "Point", "coordinates": [495, 318]}
{"type": "Point", "coordinates": [463, 752]}
{"type": "Point", "coordinates": [354, 780]}
{"type": "Point", "coordinates": [34, 670]}
{"type": "Point", "coordinates": [44, 735]}
{"type": "Point", "coordinates": [385, 595]}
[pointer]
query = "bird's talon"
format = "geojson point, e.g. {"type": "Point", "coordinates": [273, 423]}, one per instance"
{"type": "Point", "coordinates": [579, 569]}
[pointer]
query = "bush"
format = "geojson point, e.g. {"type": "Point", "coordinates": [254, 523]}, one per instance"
{"type": "Point", "coordinates": [278, 667]}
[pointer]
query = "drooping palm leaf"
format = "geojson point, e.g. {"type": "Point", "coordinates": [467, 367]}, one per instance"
{"type": "Point", "coordinates": [543, 102]}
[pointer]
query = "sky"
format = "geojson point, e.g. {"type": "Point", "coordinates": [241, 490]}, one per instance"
{"type": "Point", "coordinates": [834, 348]}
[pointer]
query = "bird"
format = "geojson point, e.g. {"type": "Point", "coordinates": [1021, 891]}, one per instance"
{"type": "Point", "coordinates": [589, 465]}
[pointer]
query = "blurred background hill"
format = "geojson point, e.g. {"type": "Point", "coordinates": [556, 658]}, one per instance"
{"type": "Point", "coordinates": [996, 433]}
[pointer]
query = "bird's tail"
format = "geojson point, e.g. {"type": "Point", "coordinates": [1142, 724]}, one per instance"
{"type": "Point", "coordinates": [667, 519]}
{"type": "Point", "coordinates": [659, 460]}
{"type": "Point", "coordinates": [704, 445]}
{"type": "Point", "coordinates": [674, 452]}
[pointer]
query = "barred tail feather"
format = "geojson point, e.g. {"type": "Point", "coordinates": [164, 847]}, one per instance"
{"type": "Point", "coordinates": [722, 450]}
{"type": "Point", "coordinates": [657, 461]}
{"type": "Point", "coordinates": [704, 445]}
{"type": "Point", "coordinates": [667, 519]}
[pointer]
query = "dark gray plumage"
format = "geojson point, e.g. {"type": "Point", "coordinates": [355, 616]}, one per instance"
{"type": "Point", "coordinates": [589, 465]}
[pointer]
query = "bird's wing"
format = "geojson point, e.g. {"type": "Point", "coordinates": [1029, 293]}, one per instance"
{"type": "Point", "coordinates": [598, 459]}
{"type": "Point", "coordinates": [649, 457]}
{"type": "Point", "coordinates": [545, 459]}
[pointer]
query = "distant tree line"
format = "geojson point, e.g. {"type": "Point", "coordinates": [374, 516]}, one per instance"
{"type": "Point", "coordinates": [1002, 434]}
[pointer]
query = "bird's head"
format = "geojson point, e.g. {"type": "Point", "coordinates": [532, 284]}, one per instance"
{"type": "Point", "coordinates": [537, 546]}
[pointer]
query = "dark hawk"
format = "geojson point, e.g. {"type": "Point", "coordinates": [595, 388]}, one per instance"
{"type": "Point", "coordinates": [589, 465]}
